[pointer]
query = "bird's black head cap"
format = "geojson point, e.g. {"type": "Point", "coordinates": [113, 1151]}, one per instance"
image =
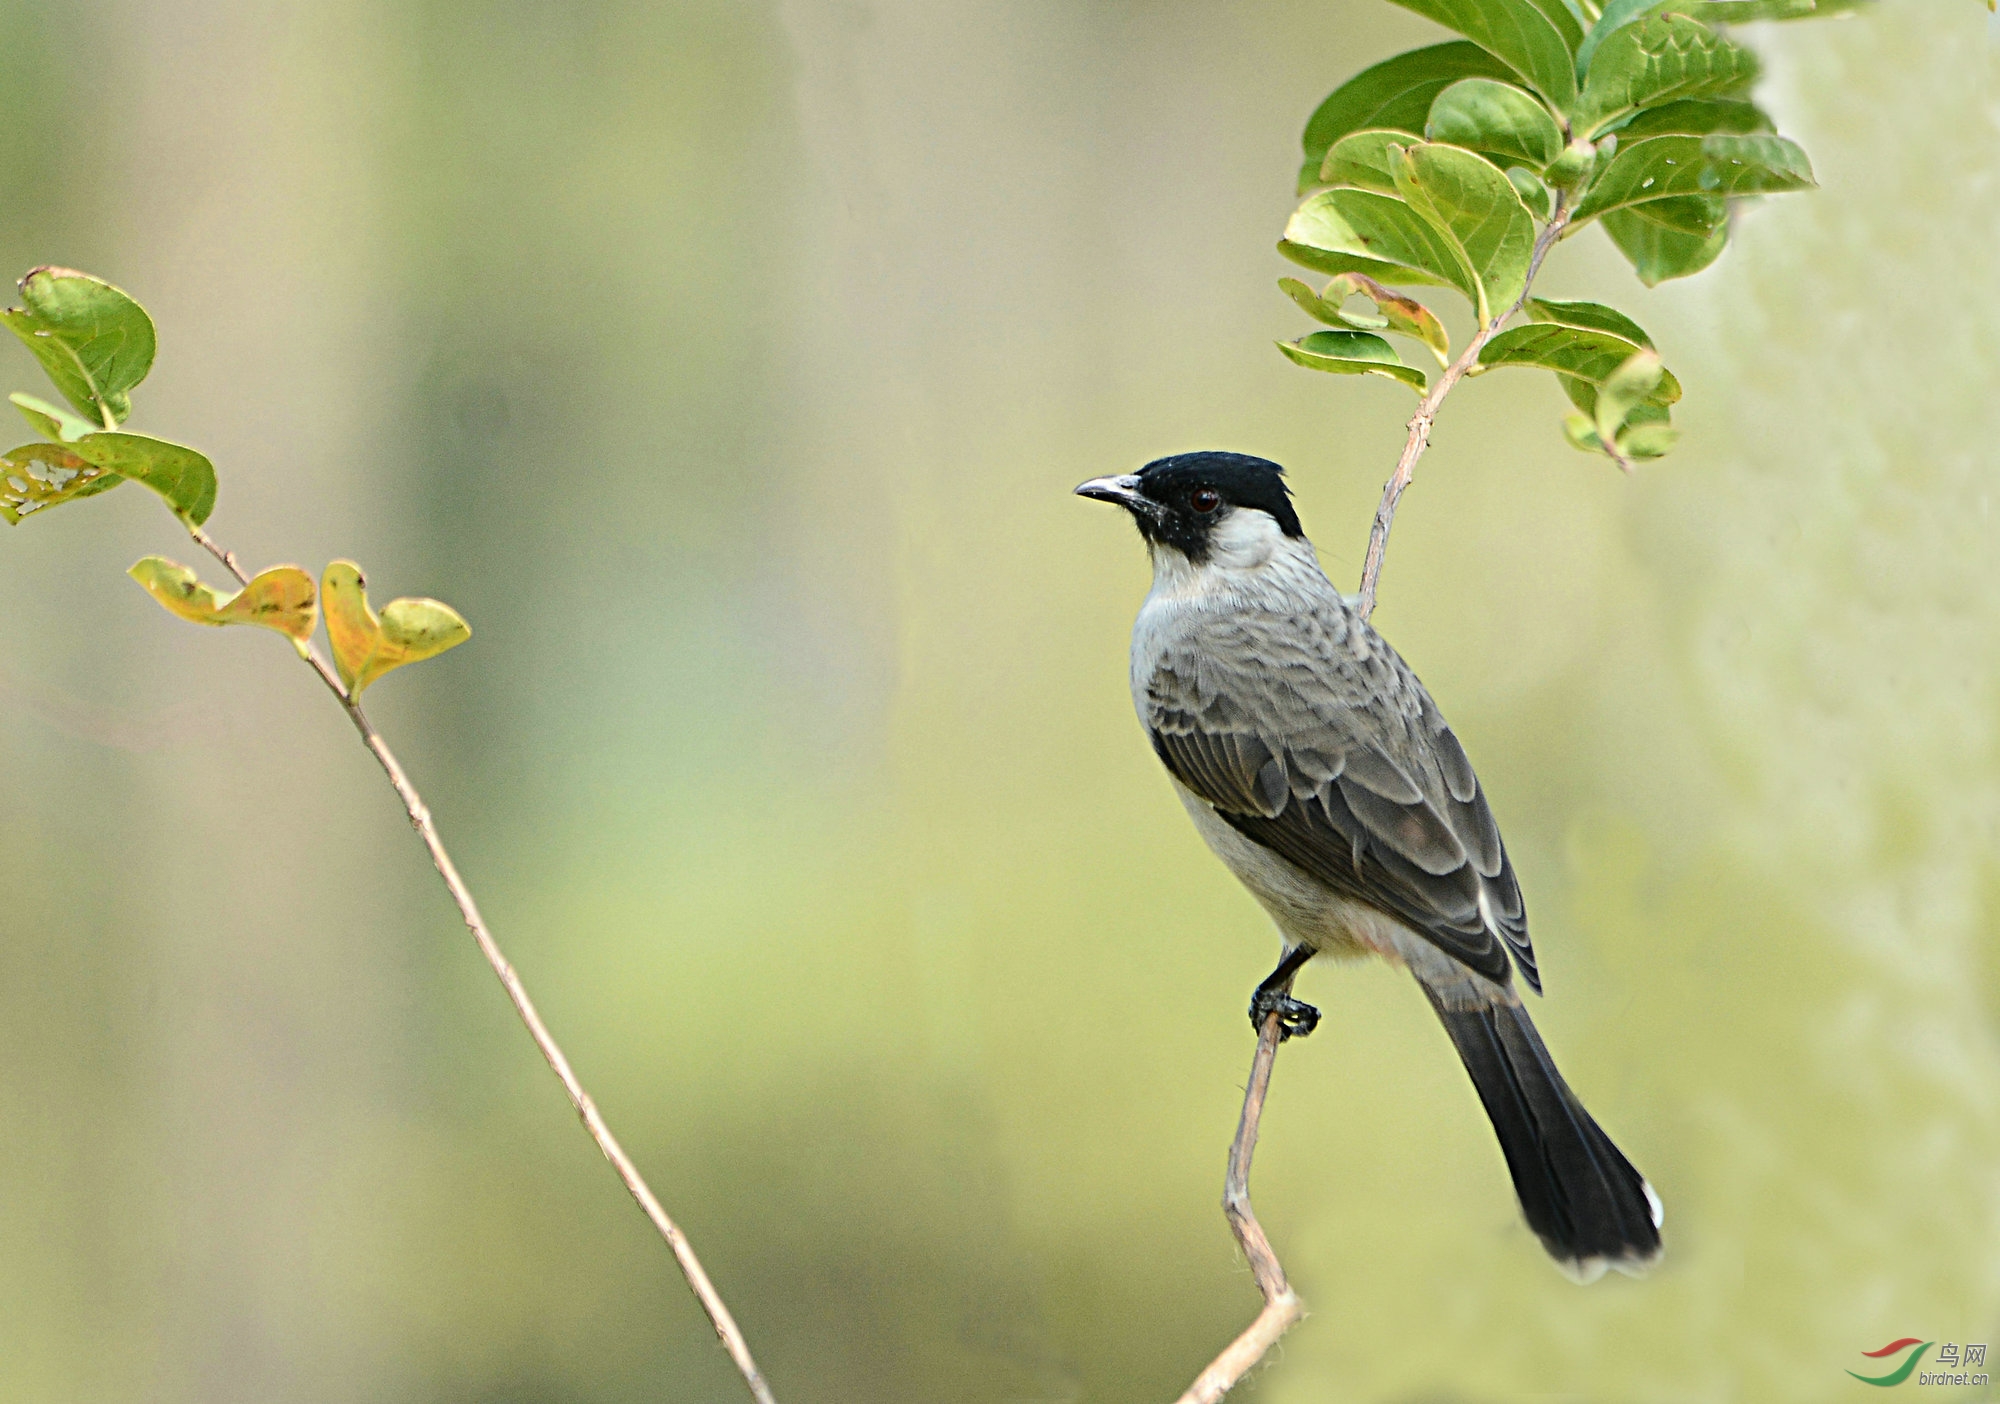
{"type": "Point", "coordinates": [1191, 492]}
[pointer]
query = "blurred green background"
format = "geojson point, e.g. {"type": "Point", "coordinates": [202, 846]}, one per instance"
{"type": "Point", "coordinates": [729, 367]}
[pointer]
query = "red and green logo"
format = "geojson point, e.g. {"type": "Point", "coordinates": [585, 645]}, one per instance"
{"type": "Point", "coordinates": [1902, 1371]}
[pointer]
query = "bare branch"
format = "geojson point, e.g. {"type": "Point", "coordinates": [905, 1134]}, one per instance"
{"type": "Point", "coordinates": [1420, 423]}
{"type": "Point", "coordinates": [1282, 1307]}
{"type": "Point", "coordinates": [725, 1325]}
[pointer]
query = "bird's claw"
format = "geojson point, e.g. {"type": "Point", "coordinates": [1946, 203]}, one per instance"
{"type": "Point", "coordinates": [1296, 1018]}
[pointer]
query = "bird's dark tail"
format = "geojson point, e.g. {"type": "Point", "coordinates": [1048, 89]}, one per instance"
{"type": "Point", "coordinates": [1582, 1198]}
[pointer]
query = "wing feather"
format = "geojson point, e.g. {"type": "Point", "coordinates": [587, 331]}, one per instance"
{"type": "Point", "coordinates": [1334, 757]}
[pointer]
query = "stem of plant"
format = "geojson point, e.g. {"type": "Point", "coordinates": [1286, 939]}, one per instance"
{"type": "Point", "coordinates": [1282, 1307]}
{"type": "Point", "coordinates": [726, 1329]}
{"type": "Point", "coordinates": [1420, 423]}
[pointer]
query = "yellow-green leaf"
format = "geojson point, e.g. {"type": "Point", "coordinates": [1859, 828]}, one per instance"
{"type": "Point", "coordinates": [1402, 315]}
{"type": "Point", "coordinates": [280, 598]}
{"type": "Point", "coordinates": [34, 477]}
{"type": "Point", "coordinates": [365, 646]}
{"type": "Point", "coordinates": [51, 421]}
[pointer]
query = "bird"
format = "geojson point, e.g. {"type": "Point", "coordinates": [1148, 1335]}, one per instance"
{"type": "Point", "coordinates": [1320, 771]}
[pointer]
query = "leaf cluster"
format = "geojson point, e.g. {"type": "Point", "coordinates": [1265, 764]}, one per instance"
{"type": "Point", "coordinates": [96, 344]}
{"type": "Point", "coordinates": [1451, 166]}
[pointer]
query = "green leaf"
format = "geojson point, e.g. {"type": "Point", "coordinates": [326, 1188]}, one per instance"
{"type": "Point", "coordinates": [1647, 434]}
{"type": "Point", "coordinates": [1529, 187]}
{"type": "Point", "coordinates": [35, 477]}
{"type": "Point", "coordinates": [1648, 440]}
{"type": "Point", "coordinates": [1359, 231]}
{"type": "Point", "coordinates": [1583, 352]}
{"type": "Point", "coordinates": [1471, 202]}
{"type": "Point", "coordinates": [1395, 94]}
{"type": "Point", "coordinates": [1481, 114]}
{"type": "Point", "coordinates": [1518, 34]}
{"type": "Point", "coordinates": [1614, 17]}
{"type": "Point", "coordinates": [51, 421]}
{"type": "Point", "coordinates": [1658, 252]}
{"type": "Point", "coordinates": [1360, 160]}
{"type": "Point", "coordinates": [1745, 11]}
{"type": "Point", "coordinates": [1567, 22]}
{"type": "Point", "coordinates": [1572, 167]}
{"type": "Point", "coordinates": [280, 598]}
{"type": "Point", "coordinates": [1699, 215]}
{"type": "Point", "coordinates": [95, 342]}
{"type": "Point", "coordinates": [1591, 316]}
{"type": "Point", "coordinates": [1656, 61]}
{"type": "Point", "coordinates": [1633, 383]}
{"type": "Point", "coordinates": [1719, 165]}
{"type": "Point", "coordinates": [1696, 117]}
{"type": "Point", "coordinates": [366, 646]}
{"type": "Point", "coordinates": [174, 471]}
{"type": "Point", "coordinates": [1353, 353]}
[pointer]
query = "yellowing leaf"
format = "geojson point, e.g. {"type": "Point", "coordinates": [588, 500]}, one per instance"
{"type": "Point", "coordinates": [34, 477]}
{"type": "Point", "coordinates": [280, 598]}
{"type": "Point", "coordinates": [366, 646]}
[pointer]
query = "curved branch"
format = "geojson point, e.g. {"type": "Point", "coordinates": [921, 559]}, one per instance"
{"type": "Point", "coordinates": [726, 1329]}
{"type": "Point", "coordinates": [1420, 423]}
{"type": "Point", "coordinates": [1282, 1307]}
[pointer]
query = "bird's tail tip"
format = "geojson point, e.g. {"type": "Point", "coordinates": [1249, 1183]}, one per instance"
{"type": "Point", "coordinates": [1592, 1210]}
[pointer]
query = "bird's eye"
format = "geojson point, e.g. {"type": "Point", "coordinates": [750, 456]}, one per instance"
{"type": "Point", "coordinates": [1204, 500]}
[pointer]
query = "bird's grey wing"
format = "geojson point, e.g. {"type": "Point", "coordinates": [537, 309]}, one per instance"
{"type": "Point", "coordinates": [1347, 770]}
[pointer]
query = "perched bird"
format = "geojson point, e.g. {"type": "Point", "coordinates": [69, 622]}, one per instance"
{"type": "Point", "coordinates": [1320, 772]}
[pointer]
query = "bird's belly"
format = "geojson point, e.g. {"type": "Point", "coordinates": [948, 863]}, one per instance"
{"type": "Point", "coordinates": [1305, 909]}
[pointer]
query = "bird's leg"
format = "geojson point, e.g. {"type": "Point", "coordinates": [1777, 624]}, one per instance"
{"type": "Point", "coordinates": [1296, 1018]}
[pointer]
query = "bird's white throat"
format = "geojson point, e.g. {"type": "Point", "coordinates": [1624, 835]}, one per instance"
{"type": "Point", "coordinates": [1248, 552]}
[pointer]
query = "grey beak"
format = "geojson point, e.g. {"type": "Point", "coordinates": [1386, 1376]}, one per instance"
{"type": "Point", "coordinates": [1123, 490]}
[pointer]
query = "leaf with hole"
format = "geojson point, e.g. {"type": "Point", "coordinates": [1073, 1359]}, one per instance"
{"type": "Point", "coordinates": [1481, 114]}
{"type": "Point", "coordinates": [1353, 353]}
{"type": "Point", "coordinates": [1583, 352]}
{"type": "Point", "coordinates": [365, 645]}
{"type": "Point", "coordinates": [1517, 33]}
{"type": "Point", "coordinates": [1470, 201]}
{"type": "Point", "coordinates": [94, 341]}
{"type": "Point", "coordinates": [1394, 94]}
{"type": "Point", "coordinates": [36, 477]}
{"type": "Point", "coordinates": [1659, 60]}
{"type": "Point", "coordinates": [1719, 165]}
{"type": "Point", "coordinates": [1360, 231]}
{"type": "Point", "coordinates": [281, 598]}
{"type": "Point", "coordinates": [1657, 252]}
{"type": "Point", "coordinates": [176, 472]}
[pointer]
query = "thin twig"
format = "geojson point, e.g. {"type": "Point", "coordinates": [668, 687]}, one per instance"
{"type": "Point", "coordinates": [1420, 423]}
{"type": "Point", "coordinates": [725, 1325]}
{"type": "Point", "coordinates": [1282, 1307]}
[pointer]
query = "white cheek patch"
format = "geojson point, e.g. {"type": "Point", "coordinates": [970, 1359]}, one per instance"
{"type": "Point", "coordinates": [1245, 539]}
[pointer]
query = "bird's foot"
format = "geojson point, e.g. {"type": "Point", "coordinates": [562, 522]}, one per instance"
{"type": "Point", "coordinates": [1296, 1018]}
